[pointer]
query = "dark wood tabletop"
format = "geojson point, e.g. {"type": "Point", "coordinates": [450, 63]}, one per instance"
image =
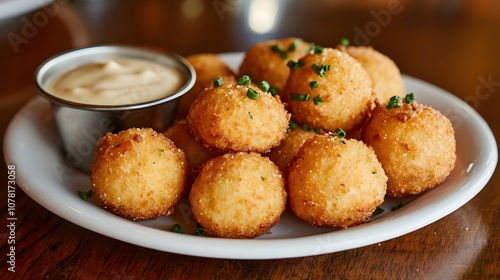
{"type": "Point", "coordinates": [454, 45]}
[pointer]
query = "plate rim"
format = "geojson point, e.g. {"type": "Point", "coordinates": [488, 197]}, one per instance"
{"type": "Point", "coordinates": [13, 8]}
{"type": "Point", "coordinates": [231, 248]}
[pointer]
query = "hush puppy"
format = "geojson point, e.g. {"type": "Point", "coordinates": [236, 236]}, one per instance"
{"type": "Point", "coordinates": [207, 67]}
{"type": "Point", "coordinates": [196, 154]}
{"type": "Point", "coordinates": [329, 90]}
{"type": "Point", "coordinates": [238, 118]}
{"type": "Point", "coordinates": [268, 60]}
{"type": "Point", "coordinates": [284, 153]}
{"type": "Point", "coordinates": [383, 71]}
{"type": "Point", "coordinates": [335, 182]}
{"type": "Point", "coordinates": [238, 195]}
{"type": "Point", "coordinates": [138, 173]}
{"type": "Point", "coordinates": [415, 144]}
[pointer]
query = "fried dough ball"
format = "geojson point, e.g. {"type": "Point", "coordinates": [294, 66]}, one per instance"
{"type": "Point", "coordinates": [335, 182]}
{"type": "Point", "coordinates": [383, 71]}
{"type": "Point", "coordinates": [138, 173]}
{"type": "Point", "coordinates": [268, 60]}
{"type": "Point", "coordinates": [415, 144]}
{"type": "Point", "coordinates": [238, 195]}
{"type": "Point", "coordinates": [329, 90]}
{"type": "Point", "coordinates": [284, 153]}
{"type": "Point", "coordinates": [196, 154]}
{"type": "Point", "coordinates": [207, 67]}
{"type": "Point", "coordinates": [226, 119]}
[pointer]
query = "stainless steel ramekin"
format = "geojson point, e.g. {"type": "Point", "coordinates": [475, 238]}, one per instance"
{"type": "Point", "coordinates": [81, 125]}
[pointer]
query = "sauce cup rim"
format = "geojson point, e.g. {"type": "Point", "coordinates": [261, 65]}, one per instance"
{"type": "Point", "coordinates": [141, 52]}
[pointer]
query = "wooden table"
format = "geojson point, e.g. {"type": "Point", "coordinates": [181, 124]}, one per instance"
{"type": "Point", "coordinates": [452, 44]}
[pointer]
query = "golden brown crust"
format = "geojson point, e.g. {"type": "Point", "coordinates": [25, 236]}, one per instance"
{"type": "Point", "coordinates": [415, 144]}
{"type": "Point", "coordinates": [196, 154]}
{"type": "Point", "coordinates": [335, 182]}
{"type": "Point", "coordinates": [207, 67]}
{"type": "Point", "coordinates": [383, 71]}
{"type": "Point", "coordinates": [225, 119]}
{"type": "Point", "coordinates": [345, 89]}
{"type": "Point", "coordinates": [242, 159]}
{"type": "Point", "coordinates": [284, 153]}
{"type": "Point", "coordinates": [238, 195]}
{"type": "Point", "coordinates": [262, 63]}
{"type": "Point", "coordinates": [129, 174]}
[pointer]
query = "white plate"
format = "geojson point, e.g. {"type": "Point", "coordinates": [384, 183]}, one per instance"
{"type": "Point", "coordinates": [31, 143]}
{"type": "Point", "coordinates": [12, 8]}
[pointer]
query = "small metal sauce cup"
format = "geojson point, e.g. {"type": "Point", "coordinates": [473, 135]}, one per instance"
{"type": "Point", "coordinates": [81, 125]}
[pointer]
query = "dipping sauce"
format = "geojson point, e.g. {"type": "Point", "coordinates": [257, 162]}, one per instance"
{"type": "Point", "coordinates": [120, 81]}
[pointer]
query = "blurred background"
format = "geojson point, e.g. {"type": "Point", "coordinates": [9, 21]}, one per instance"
{"type": "Point", "coordinates": [453, 44]}
{"type": "Point", "coordinates": [418, 35]}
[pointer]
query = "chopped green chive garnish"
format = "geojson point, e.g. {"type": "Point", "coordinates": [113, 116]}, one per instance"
{"type": "Point", "coordinates": [394, 102]}
{"type": "Point", "coordinates": [318, 49]}
{"type": "Point", "coordinates": [295, 65]}
{"type": "Point", "coordinates": [378, 211]}
{"type": "Point", "coordinates": [306, 127]}
{"type": "Point", "coordinates": [284, 53]}
{"type": "Point", "coordinates": [344, 42]}
{"type": "Point", "coordinates": [85, 195]}
{"type": "Point", "coordinates": [343, 141]}
{"type": "Point", "coordinates": [317, 100]}
{"type": "Point", "coordinates": [218, 82]}
{"type": "Point", "coordinates": [317, 130]}
{"type": "Point", "coordinates": [252, 94]}
{"type": "Point", "coordinates": [300, 97]}
{"type": "Point", "coordinates": [313, 84]}
{"type": "Point", "coordinates": [300, 62]}
{"type": "Point", "coordinates": [273, 90]}
{"type": "Point", "coordinates": [292, 125]}
{"type": "Point", "coordinates": [244, 80]}
{"type": "Point", "coordinates": [279, 49]}
{"type": "Point", "coordinates": [263, 178]}
{"type": "Point", "coordinates": [199, 232]}
{"type": "Point", "coordinates": [161, 151]}
{"type": "Point", "coordinates": [250, 114]}
{"type": "Point", "coordinates": [320, 69]}
{"type": "Point", "coordinates": [410, 98]}
{"type": "Point", "coordinates": [398, 205]}
{"type": "Point", "coordinates": [276, 48]}
{"type": "Point", "coordinates": [374, 172]}
{"type": "Point", "coordinates": [264, 86]}
{"type": "Point", "coordinates": [177, 228]}
{"type": "Point", "coordinates": [340, 133]}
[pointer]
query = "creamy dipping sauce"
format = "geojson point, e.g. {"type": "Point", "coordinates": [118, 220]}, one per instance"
{"type": "Point", "coordinates": [121, 81]}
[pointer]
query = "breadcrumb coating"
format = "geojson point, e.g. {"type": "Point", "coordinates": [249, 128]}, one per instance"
{"type": "Point", "coordinates": [415, 144]}
{"type": "Point", "coordinates": [225, 119]}
{"type": "Point", "coordinates": [207, 67]}
{"type": "Point", "coordinates": [268, 60]}
{"type": "Point", "coordinates": [383, 71]}
{"type": "Point", "coordinates": [341, 97]}
{"type": "Point", "coordinates": [335, 182]}
{"type": "Point", "coordinates": [238, 195]}
{"type": "Point", "coordinates": [138, 173]}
